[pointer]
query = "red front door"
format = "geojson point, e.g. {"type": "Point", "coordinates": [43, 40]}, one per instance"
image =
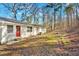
{"type": "Point", "coordinates": [18, 31]}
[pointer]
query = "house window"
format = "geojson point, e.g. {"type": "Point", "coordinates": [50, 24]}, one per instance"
{"type": "Point", "coordinates": [29, 29]}
{"type": "Point", "coordinates": [9, 28]}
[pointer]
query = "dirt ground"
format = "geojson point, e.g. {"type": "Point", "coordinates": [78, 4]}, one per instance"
{"type": "Point", "coordinates": [44, 45]}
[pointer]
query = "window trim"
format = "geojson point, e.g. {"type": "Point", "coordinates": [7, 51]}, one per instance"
{"type": "Point", "coordinates": [9, 28]}
{"type": "Point", "coordinates": [29, 29]}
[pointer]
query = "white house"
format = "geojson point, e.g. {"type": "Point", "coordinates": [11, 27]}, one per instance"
{"type": "Point", "coordinates": [11, 29]}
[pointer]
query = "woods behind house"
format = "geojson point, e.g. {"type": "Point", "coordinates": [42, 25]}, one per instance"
{"type": "Point", "coordinates": [53, 16]}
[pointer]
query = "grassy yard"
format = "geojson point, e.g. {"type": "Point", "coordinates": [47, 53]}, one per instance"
{"type": "Point", "coordinates": [50, 44]}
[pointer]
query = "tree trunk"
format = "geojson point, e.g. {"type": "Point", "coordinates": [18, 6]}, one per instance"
{"type": "Point", "coordinates": [71, 19]}
{"type": "Point", "coordinates": [54, 18]}
{"type": "Point", "coordinates": [34, 19]}
{"type": "Point", "coordinates": [60, 21]}
{"type": "Point", "coordinates": [68, 21]}
{"type": "Point", "coordinates": [15, 17]}
{"type": "Point", "coordinates": [76, 13]}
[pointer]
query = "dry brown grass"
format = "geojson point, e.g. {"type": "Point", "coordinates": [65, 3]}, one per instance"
{"type": "Point", "coordinates": [53, 43]}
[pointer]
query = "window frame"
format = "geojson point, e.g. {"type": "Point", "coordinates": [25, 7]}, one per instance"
{"type": "Point", "coordinates": [9, 28]}
{"type": "Point", "coordinates": [29, 29]}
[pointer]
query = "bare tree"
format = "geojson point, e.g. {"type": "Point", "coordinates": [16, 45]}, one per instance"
{"type": "Point", "coordinates": [15, 7]}
{"type": "Point", "coordinates": [12, 8]}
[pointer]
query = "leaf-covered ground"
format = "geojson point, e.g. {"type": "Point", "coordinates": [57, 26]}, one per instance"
{"type": "Point", "coordinates": [50, 44]}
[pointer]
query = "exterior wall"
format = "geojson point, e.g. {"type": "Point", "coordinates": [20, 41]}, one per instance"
{"type": "Point", "coordinates": [24, 32]}
{"type": "Point", "coordinates": [6, 37]}
{"type": "Point", "coordinates": [42, 30]}
{"type": "Point", "coordinates": [38, 30]}
{"type": "Point", "coordinates": [34, 31]}
{"type": "Point", "coordinates": [0, 32]}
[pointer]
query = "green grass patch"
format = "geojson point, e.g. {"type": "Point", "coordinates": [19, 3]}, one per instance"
{"type": "Point", "coordinates": [65, 41]}
{"type": "Point", "coordinates": [54, 39]}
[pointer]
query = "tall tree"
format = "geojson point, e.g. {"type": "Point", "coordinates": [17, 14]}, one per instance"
{"type": "Point", "coordinates": [15, 7]}
{"type": "Point", "coordinates": [12, 8]}
{"type": "Point", "coordinates": [55, 7]}
{"type": "Point", "coordinates": [69, 11]}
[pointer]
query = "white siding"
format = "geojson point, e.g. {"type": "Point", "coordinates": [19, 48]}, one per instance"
{"type": "Point", "coordinates": [42, 30]}
{"type": "Point", "coordinates": [23, 31]}
{"type": "Point", "coordinates": [0, 33]}
{"type": "Point", "coordinates": [4, 34]}
{"type": "Point", "coordinates": [7, 36]}
{"type": "Point", "coordinates": [34, 31]}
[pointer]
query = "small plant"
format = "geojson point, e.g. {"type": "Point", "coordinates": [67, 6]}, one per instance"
{"type": "Point", "coordinates": [52, 37]}
{"type": "Point", "coordinates": [65, 41]}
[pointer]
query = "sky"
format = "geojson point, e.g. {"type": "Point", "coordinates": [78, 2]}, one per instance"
{"type": "Point", "coordinates": [5, 13]}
